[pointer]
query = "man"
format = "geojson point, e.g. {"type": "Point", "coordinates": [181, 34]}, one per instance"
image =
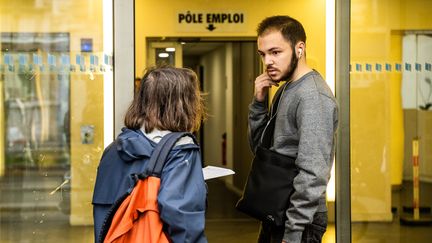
{"type": "Point", "coordinates": [305, 128]}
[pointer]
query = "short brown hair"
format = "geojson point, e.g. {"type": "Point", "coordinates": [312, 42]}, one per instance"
{"type": "Point", "coordinates": [168, 98]}
{"type": "Point", "coordinates": [291, 29]}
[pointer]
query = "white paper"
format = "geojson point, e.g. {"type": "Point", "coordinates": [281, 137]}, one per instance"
{"type": "Point", "coordinates": [211, 172]}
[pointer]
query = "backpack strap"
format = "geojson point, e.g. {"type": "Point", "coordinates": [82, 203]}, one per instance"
{"type": "Point", "coordinates": [160, 153]}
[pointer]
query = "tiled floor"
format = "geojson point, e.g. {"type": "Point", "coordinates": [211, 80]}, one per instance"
{"type": "Point", "coordinates": [224, 224]}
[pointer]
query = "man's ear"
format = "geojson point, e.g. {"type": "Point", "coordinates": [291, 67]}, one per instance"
{"type": "Point", "coordinates": [300, 48]}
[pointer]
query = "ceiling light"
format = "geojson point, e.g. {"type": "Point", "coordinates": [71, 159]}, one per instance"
{"type": "Point", "coordinates": [163, 54]}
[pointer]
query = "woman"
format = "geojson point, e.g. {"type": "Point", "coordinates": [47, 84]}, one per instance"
{"type": "Point", "coordinates": [168, 100]}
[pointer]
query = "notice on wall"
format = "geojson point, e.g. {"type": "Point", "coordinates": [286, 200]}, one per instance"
{"type": "Point", "coordinates": [217, 22]}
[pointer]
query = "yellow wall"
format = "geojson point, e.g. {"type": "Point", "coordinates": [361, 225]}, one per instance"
{"type": "Point", "coordinates": [158, 19]}
{"type": "Point", "coordinates": [396, 113]}
{"type": "Point", "coordinates": [87, 109]}
{"type": "Point", "coordinates": [376, 112]}
{"type": "Point", "coordinates": [81, 19]}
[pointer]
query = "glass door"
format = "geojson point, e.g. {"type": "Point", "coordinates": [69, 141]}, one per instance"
{"type": "Point", "coordinates": [390, 93]}
{"type": "Point", "coordinates": [55, 61]}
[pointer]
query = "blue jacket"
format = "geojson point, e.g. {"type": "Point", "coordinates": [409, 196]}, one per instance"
{"type": "Point", "coordinates": [182, 193]}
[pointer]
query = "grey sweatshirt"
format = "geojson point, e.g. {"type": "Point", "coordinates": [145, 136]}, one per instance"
{"type": "Point", "coordinates": [305, 128]}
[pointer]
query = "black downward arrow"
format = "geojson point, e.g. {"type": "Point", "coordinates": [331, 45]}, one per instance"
{"type": "Point", "coordinates": [211, 27]}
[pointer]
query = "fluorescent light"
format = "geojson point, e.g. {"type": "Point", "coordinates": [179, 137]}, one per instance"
{"type": "Point", "coordinates": [108, 86]}
{"type": "Point", "coordinates": [163, 54]}
{"type": "Point", "coordinates": [170, 49]}
{"type": "Point", "coordinates": [330, 43]}
{"type": "Point", "coordinates": [330, 74]}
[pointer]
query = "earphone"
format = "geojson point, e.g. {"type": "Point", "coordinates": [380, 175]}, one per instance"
{"type": "Point", "coordinates": [300, 52]}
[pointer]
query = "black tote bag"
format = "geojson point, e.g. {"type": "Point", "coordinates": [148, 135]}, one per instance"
{"type": "Point", "coordinates": [266, 195]}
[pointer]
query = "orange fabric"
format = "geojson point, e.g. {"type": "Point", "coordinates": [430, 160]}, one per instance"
{"type": "Point", "coordinates": [137, 220]}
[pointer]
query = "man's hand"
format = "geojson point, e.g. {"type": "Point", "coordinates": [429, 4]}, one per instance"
{"type": "Point", "coordinates": [262, 85]}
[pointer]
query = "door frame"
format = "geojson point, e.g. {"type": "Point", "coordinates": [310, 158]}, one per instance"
{"type": "Point", "coordinates": [343, 162]}
{"type": "Point", "coordinates": [124, 52]}
{"type": "Point", "coordinates": [153, 45]}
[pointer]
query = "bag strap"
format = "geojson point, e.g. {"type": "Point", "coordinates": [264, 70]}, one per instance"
{"type": "Point", "coordinates": [266, 138]}
{"type": "Point", "coordinates": [160, 153]}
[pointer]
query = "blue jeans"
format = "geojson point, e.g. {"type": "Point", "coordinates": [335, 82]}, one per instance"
{"type": "Point", "coordinates": [312, 233]}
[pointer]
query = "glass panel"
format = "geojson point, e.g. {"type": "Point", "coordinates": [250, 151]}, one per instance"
{"type": "Point", "coordinates": [53, 68]}
{"type": "Point", "coordinates": [36, 98]}
{"type": "Point", "coordinates": [391, 120]}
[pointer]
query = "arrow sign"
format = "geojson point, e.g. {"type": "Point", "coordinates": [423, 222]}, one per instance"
{"type": "Point", "coordinates": [211, 27]}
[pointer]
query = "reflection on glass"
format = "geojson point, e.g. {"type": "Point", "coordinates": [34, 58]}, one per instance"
{"type": "Point", "coordinates": [391, 132]}
{"type": "Point", "coordinates": [36, 100]}
{"type": "Point", "coordinates": [53, 68]}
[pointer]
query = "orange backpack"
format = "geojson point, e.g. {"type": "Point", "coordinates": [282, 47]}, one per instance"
{"type": "Point", "coordinates": [135, 216]}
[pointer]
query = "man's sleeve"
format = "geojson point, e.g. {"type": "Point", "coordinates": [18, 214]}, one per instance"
{"type": "Point", "coordinates": [257, 121]}
{"type": "Point", "coordinates": [315, 123]}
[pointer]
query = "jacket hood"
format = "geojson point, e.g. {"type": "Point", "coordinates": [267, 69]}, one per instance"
{"type": "Point", "coordinates": [133, 145]}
